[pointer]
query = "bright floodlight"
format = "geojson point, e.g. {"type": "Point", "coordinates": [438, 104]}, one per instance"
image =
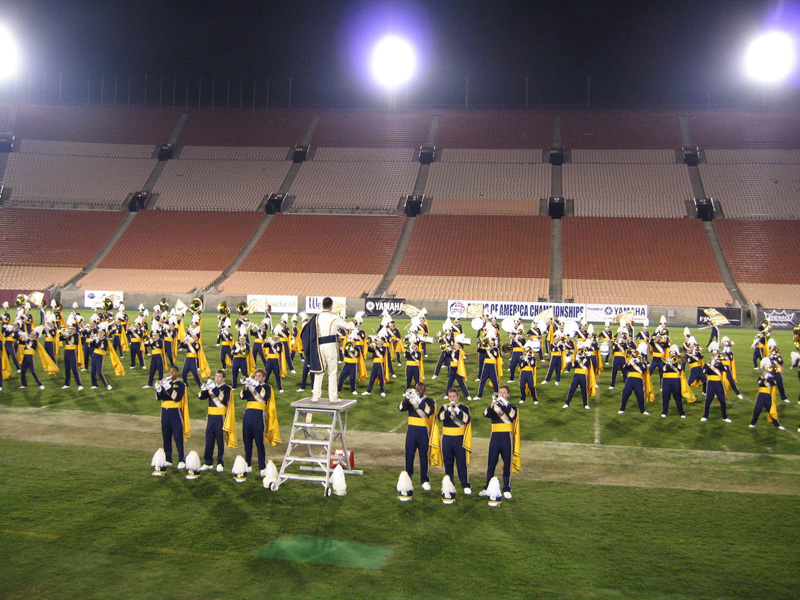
{"type": "Point", "coordinates": [393, 61]}
{"type": "Point", "coordinates": [770, 57]}
{"type": "Point", "coordinates": [8, 54]}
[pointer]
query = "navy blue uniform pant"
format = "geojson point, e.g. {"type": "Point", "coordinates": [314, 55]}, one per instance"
{"type": "Point", "coordinates": [12, 354]}
{"type": "Point", "coordinates": [454, 377]}
{"type": "Point", "coordinates": [27, 365]}
{"type": "Point", "coordinates": [136, 352]}
{"type": "Point", "coordinates": [349, 370]}
{"type": "Point", "coordinates": [443, 360]}
{"type": "Point", "coordinates": [634, 385]}
{"type": "Point", "coordinates": [214, 435]}
{"type": "Point", "coordinates": [714, 389]}
{"type": "Point", "coordinates": [172, 429]}
{"type": "Point", "coordinates": [578, 381]}
{"type": "Point", "coordinates": [453, 451]}
{"type": "Point", "coordinates": [526, 384]}
{"type": "Point", "coordinates": [763, 402]}
{"type": "Point", "coordinates": [156, 365]}
{"type": "Point", "coordinates": [555, 367]}
{"type": "Point", "coordinates": [417, 441]}
{"type": "Point", "coordinates": [253, 431]}
{"type": "Point", "coordinates": [617, 367]}
{"type": "Point", "coordinates": [412, 374]}
{"type": "Point", "coordinates": [671, 388]}
{"type": "Point", "coordinates": [489, 373]}
{"type": "Point", "coordinates": [97, 370]}
{"type": "Point", "coordinates": [274, 368]}
{"type": "Point", "coordinates": [377, 375]}
{"type": "Point", "coordinates": [71, 366]}
{"type": "Point", "coordinates": [190, 366]}
{"type": "Point", "coordinates": [516, 358]}
{"type": "Point", "coordinates": [240, 367]}
{"type": "Point", "coordinates": [500, 446]}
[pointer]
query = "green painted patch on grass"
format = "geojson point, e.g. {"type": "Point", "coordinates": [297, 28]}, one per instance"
{"type": "Point", "coordinates": [327, 551]}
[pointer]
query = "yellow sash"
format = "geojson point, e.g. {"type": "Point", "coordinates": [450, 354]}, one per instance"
{"type": "Point", "coordinates": [119, 370]}
{"type": "Point", "coordinates": [49, 366]}
{"type": "Point", "coordinates": [202, 364]}
{"type": "Point", "coordinates": [229, 425]}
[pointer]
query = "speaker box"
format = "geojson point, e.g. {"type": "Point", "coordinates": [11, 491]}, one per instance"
{"type": "Point", "coordinates": [138, 202]}
{"type": "Point", "coordinates": [705, 208]}
{"type": "Point", "coordinates": [413, 205]}
{"type": "Point", "coordinates": [555, 208]}
{"type": "Point", "coordinates": [275, 203]}
{"type": "Point", "coordinates": [427, 154]}
{"type": "Point", "coordinates": [300, 153]}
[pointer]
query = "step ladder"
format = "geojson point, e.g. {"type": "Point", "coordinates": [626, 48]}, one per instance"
{"type": "Point", "coordinates": [319, 428]}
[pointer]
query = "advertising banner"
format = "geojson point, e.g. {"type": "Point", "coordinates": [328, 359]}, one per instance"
{"type": "Point", "coordinates": [734, 315]}
{"type": "Point", "coordinates": [93, 298]}
{"type": "Point", "coordinates": [374, 306]}
{"type": "Point", "coordinates": [257, 303]}
{"type": "Point", "coordinates": [780, 318]}
{"type": "Point", "coordinates": [314, 303]}
{"type": "Point", "coordinates": [527, 310]}
{"type": "Point", "coordinates": [599, 313]}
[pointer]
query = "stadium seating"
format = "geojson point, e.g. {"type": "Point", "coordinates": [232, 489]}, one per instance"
{"type": "Point", "coordinates": [508, 156]}
{"type": "Point", "coordinates": [442, 287]}
{"type": "Point", "coordinates": [86, 149]}
{"type": "Point", "coordinates": [623, 157]}
{"type": "Point", "coordinates": [627, 190]}
{"type": "Point", "coordinates": [325, 244]}
{"type": "Point", "coordinates": [54, 238]}
{"type": "Point", "coordinates": [647, 261]}
{"type": "Point", "coordinates": [168, 281]}
{"type": "Point", "coordinates": [495, 129]}
{"type": "Point", "coordinates": [218, 184]}
{"type": "Point", "coordinates": [483, 206]}
{"type": "Point", "coordinates": [353, 185]}
{"type": "Point", "coordinates": [5, 108]}
{"type": "Point", "coordinates": [758, 156]}
{"type": "Point", "coordinates": [478, 246]}
{"type": "Point", "coordinates": [27, 277]}
{"type": "Point", "coordinates": [749, 191]}
{"type": "Point", "coordinates": [614, 129]}
{"type": "Point", "coordinates": [182, 240]}
{"type": "Point", "coordinates": [364, 155]}
{"type": "Point", "coordinates": [491, 181]}
{"type": "Point", "coordinates": [742, 130]}
{"type": "Point", "coordinates": [233, 153]}
{"type": "Point", "coordinates": [761, 252]}
{"type": "Point", "coordinates": [72, 180]}
{"type": "Point", "coordinates": [301, 284]}
{"type": "Point", "coordinates": [103, 124]}
{"type": "Point", "coordinates": [369, 129]}
{"type": "Point", "coordinates": [244, 127]}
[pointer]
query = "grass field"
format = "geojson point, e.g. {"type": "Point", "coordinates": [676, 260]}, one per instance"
{"type": "Point", "coordinates": [607, 506]}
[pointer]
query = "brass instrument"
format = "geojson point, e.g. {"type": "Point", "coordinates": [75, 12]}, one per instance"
{"type": "Point", "coordinates": [796, 338]}
{"type": "Point", "coordinates": [163, 305]}
{"type": "Point", "coordinates": [764, 327]}
{"type": "Point", "coordinates": [108, 303]}
{"type": "Point", "coordinates": [349, 346]}
{"type": "Point", "coordinates": [506, 348]}
{"type": "Point", "coordinates": [528, 352]}
{"type": "Point", "coordinates": [484, 343]}
{"type": "Point", "coordinates": [21, 300]}
{"type": "Point", "coordinates": [496, 398]}
{"type": "Point", "coordinates": [375, 342]}
{"type": "Point", "coordinates": [242, 308]}
{"type": "Point", "coordinates": [443, 345]}
{"type": "Point", "coordinates": [196, 306]}
{"type": "Point", "coordinates": [407, 345]}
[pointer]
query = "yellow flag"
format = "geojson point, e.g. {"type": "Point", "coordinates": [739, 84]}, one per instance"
{"type": "Point", "coordinates": [184, 408]}
{"type": "Point", "coordinates": [772, 414]}
{"type": "Point", "coordinates": [649, 394]}
{"type": "Point", "coordinates": [119, 370]}
{"type": "Point", "coordinates": [467, 445]}
{"type": "Point", "coordinates": [686, 391]}
{"type": "Point", "coordinates": [6, 363]}
{"type": "Point", "coordinates": [229, 425]}
{"type": "Point", "coordinates": [516, 450]}
{"type": "Point", "coordinates": [435, 444]}
{"type": "Point", "coordinates": [80, 358]}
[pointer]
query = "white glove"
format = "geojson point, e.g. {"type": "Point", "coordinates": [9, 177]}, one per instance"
{"type": "Point", "coordinates": [166, 385]}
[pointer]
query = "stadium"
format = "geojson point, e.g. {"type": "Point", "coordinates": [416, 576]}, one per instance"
{"type": "Point", "coordinates": [523, 222]}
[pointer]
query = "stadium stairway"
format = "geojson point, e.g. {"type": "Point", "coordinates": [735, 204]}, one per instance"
{"type": "Point", "coordinates": [243, 253]}
{"type": "Point", "coordinates": [556, 292]}
{"type": "Point", "coordinates": [397, 258]}
{"type": "Point", "coordinates": [723, 266]}
{"type": "Point", "coordinates": [101, 254]}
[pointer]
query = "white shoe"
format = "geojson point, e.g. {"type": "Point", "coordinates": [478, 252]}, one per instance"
{"type": "Point", "coordinates": [383, 394]}
{"type": "Point", "coordinates": [752, 426]}
{"type": "Point", "coordinates": [302, 390]}
{"type": "Point", "coordinates": [365, 394]}
{"type": "Point", "coordinates": [469, 398]}
{"type": "Point", "coordinates": [206, 467]}
{"type": "Point", "coordinates": [787, 401]}
{"type": "Point", "coordinates": [476, 398]}
{"type": "Point", "coordinates": [334, 400]}
{"type": "Point", "coordinates": [507, 495]}
{"type": "Point", "coordinates": [727, 420]}
{"type": "Point", "coordinates": [220, 468]}
{"type": "Point", "coordinates": [483, 493]}
{"type": "Point", "coordinates": [394, 376]}
{"type": "Point", "coordinates": [645, 413]}
{"type": "Point", "coordinates": [20, 370]}
{"type": "Point", "coordinates": [108, 387]}
{"type": "Point", "coordinates": [249, 470]}
{"type": "Point", "coordinates": [41, 387]}
{"type": "Point", "coordinates": [80, 387]}
{"type": "Point", "coordinates": [663, 416]}
{"type": "Point", "coordinates": [683, 416]}
{"type": "Point", "coordinates": [181, 465]}
{"type": "Point", "coordinates": [167, 464]}
{"type": "Point", "coordinates": [434, 377]}
{"type": "Point", "coordinates": [426, 486]}
{"type": "Point", "coordinates": [355, 393]}
{"type": "Point", "coordinates": [280, 391]}
{"type": "Point", "coordinates": [556, 383]}
{"type": "Point", "coordinates": [587, 407]}
{"type": "Point", "coordinates": [64, 387]}
{"type": "Point", "coordinates": [703, 420]}
{"type": "Point", "coordinates": [94, 387]}
{"type": "Point", "coordinates": [467, 491]}
{"type": "Point", "coordinates": [611, 387]}
{"type": "Point", "coordinates": [144, 387]}
{"type": "Point", "coordinates": [293, 371]}
{"type": "Point", "coordinates": [536, 402]}
{"type": "Point", "coordinates": [741, 397]}
{"type": "Point", "coordinates": [510, 381]}
{"type": "Point", "coordinates": [781, 428]}
{"type": "Point", "coordinates": [478, 379]}
{"type": "Point", "coordinates": [545, 382]}
{"type": "Point", "coordinates": [565, 406]}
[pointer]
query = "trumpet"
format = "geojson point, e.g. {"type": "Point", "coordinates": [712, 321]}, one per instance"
{"type": "Point", "coordinates": [208, 384]}
{"type": "Point", "coordinates": [349, 346]}
{"type": "Point", "coordinates": [496, 398]}
{"type": "Point", "coordinates": [163, 384]}
{"type": "Point", "coordinates": [248, 381]}
{"type": "Point", "coordinates": [21, 300]}
{"type": "Point", "coordinates": [484, 343]}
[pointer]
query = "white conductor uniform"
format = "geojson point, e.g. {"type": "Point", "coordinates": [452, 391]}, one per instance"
{"type": "Point", "coordinates": [327, 326]}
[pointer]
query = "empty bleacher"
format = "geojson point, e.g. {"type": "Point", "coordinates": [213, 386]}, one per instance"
{"type": "Point", "coordinates": [350, 285]}
{"type": "Point", "coordinates": [757, 156]}
{"type": "Point", "coordinates": [622, 190]}
{"type": "Point", "coordinates": [491, 181]}
{"type": "Point", "coordinates": [353, 185]}
{"type": "Point", "coordinates": [364, 154]}
{"type": "Point", "coordinates": [365, 129]}
{"type": "Point", "coordinates": [483, 206]}
{"type": "Point", "coordinates": [171, 281]}
{"type": "Point", "coordinates": [27, 277]}
{"type": "Point", "coordinates": [182, 240]}
{"type": "Point", "coordinates": [54, 238]}
{"type": "Point", "coordinates": [741, 130]}
{"type": "Point", "coordinates": [614, 129]}
{"type": "Point", "coordinates": [86, 149]}
{"type": "Point", "coordinates": [244, 127]}
{"type": "Point", "coordinates": [754, 191]}
{"type": "Point", "coordinates": [102, 124]}
{"type": "Point", "coordinates": [648, 261]}
{"type": "Point", "coordinates": [623, 157]}
{"type": "Point", "coordinates": [488, 155]}
{"type": "Point", "coordinates": [476, 257]}
{"type": "Point", "coordinates": [233, 153]}
{"type": "Point", "coordinates": [218, 184]}
{"type": "Point", "coordinates": [495, 129]}
{"type": "Point", "coordinates": [45, 179]}
{"type": "Point", "coordinates": [5, 108]}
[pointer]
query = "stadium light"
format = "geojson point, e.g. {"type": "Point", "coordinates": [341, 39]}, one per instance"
{"type": "Point", "coordinates": [393, 61]}
{"type": "Point", "coordinates": [8, 54]}
{"type": "Point", "coordinates": [770, 58]}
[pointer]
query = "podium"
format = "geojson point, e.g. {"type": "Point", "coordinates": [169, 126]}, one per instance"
{"type": "Point", "coordinates": [318, 429]}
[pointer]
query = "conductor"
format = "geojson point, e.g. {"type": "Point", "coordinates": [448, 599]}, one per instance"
{"type": "Point", "coordinates": [322, 352]}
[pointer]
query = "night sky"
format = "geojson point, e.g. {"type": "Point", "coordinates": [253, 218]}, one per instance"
{"type": "Point", "coordinates": [636, 52]}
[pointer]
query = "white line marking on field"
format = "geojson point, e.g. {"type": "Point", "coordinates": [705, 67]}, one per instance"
{"type": "Point", "coordinates": [398, 427]}
{"type": "Point", "coordinates": [597, 425]}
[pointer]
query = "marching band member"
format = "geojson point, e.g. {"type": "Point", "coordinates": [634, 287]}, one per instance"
{"type": "Point", "coordinates": [260, 423]}
{"type": "Point", "coordinates": [294, 338]}
{"type": "Point", "coordinates": [659, 346]}
{"type": "Point", "coordinates": [380, 362]}
{"type": "Point", "coordinates": [777, 362]}
{"type": "Point", "coordinates": [643, 335]}
{"type": "Point", "coordinates": [241, 356]}
{"type": "Point", "coordinates": [505, 439]}
{"type": "Point", "coordinates": [584, 376]}
{"type": "Point", "coordinates": [225, 339]}
{"type": "Point", "coordinates": [714, 333]}
{"type": "Point", "coordinates": [491, 367]}
{"type": "Point", "coordinates": [175, 422]}
{"type": "Point", "coordinates": [120, 333]}
{"type": "Point", "coordinates": [715, 371]}
{"type": "Point", "coordinates": [687, 336]}
{"type": "Point", "coordinates": [620, 349]}
{"type": "Point", "coordinates": [456, 438]}
{"type": "Point", "coordinates": [535, 337]}
{"type": "Point", "coordinates": [413, 361]}
{"type": "Point", "coordinates": [26, 318]}
{"type": "Point", "coordinates": [796, 365]}
{"type": "Point", "coordinates": [421, 411]}
{"type": "Point", "coordinates": [220, 409]}
{"type": "Point", "coordinates": [424, 332]}
{"type": "Point", "coordinates": [99, 345]}
{"type": "Point", "coordinates": [637, 380]}
{"type": "Point", "coordinates": [50, 333]}
{"type": "Point", "coordinates": [87, 331]}
{"type": "Point", "coordinates": [482, 334]}
{"type": "Point", "coordinates": [12, 335]}
{"type": "Point", "coordinates": [30, 345]}
{"type": "Point", "coordinates": [766, 399]}
{"type": "Point", "coordinates": [136, 335]}
{"type": "Point", "coordinates": [606, 341]}
{"type": "Point", "coordinates": [556, 359]}
{"type": "Point", "coordinates": [730, 367]}
{"type": "Point", "coordinates": [259, 342]}
{"type": "Point", "coordinates": [71, 339]}
{"type": "Point", "coordinates": [527, 374]}
{"type": "Point", "coordinates": [156, 358]}
{"type": "Point", "coordinates": [398, 344]}
{"type": "Point", "coordinates": [457, 372]}
{"type": "Point", "coordinates": [285, 334]}
{"type": "Point", "coordinates": [351, 351]}
{"type": "Point", "coordinates": [170, 333]}
{"type": "Point", "coordinates": [695, 360]}
{"type": "Point", "coordinates": [445, 341]}
{"type": "Point", "coordinates": [759, 347]}
{"type": "Point", "coordinates": [274, 350]}
{"type": "Point", "coordinates": [569, 352]}
{"type": "Point", "coordinates": [671, 382]}
{"type": "Point", "coordinates": [516, 342]}
{"type": "Point", "coordinates": [192, 345]}
{"type": "Point", "coordinates": [457, 326]}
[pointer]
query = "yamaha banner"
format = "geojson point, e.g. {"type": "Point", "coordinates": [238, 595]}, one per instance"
{"type": "Point", "coordinates": [734, 315]}
{"type": "Point", "coordinates": [374, 306]}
